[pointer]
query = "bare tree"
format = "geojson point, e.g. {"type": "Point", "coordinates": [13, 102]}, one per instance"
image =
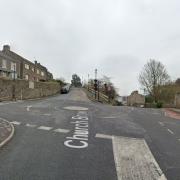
{"type": "Point", "coordinates": [152, 77]}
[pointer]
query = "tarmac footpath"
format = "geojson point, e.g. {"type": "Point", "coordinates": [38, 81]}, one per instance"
{"type": "Point", "coordinates": [6, 131]}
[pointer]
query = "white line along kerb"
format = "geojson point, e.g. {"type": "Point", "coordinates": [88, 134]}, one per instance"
{"type": "Point", "coordinates": [15, 122]}
{"type": "Point", "coordinates": [80, 135]}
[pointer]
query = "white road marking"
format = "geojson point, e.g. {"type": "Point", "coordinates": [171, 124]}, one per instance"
{"type": "Point", "coordinates": [76, 108]}
{"type": "Point", "coordinates": [47, 114]}
{"type": "Point", "coordinates": [111, 117]}
{"type": "Point", "coordinates": [81, 133]}
{"type": "Point", "coordinates": [46, 128]}
{"type": "Point", "coordinates": [15, 122]}
{"type": "Point", "coordinates": [134, 160]}
{"type": "Point", "coordinates": [56, 108]}
{"type": "Point", "coordinates": [31, 125]}
{"type": "Point", "coordinates": [103, 136]}
{"type": "Point", "coordinates": [178, 139]}
{"type": "Point", "coordinates": [28, 108]}
{"type": "Point", "coordinates": [161, 123]}
{"type": "Point", "coordinates": [156, 113]}
{"type": "Point", "coordinates": [170, 131]}
{"type": "Point", "coordinates": [62, 130]}
{"type": "Point", "coordinates": [1, 104]}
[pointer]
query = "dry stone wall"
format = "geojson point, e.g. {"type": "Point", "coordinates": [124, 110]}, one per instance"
{"type": "Point", "coordinates": [26, 90]}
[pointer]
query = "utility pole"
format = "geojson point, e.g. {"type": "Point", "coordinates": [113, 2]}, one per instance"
{"type": "Point", "coordinates": [98, 89]}
{"type": "Point", "coordinates": [95, 73]}
{"type": "Point", "coordinates": [82, 81]}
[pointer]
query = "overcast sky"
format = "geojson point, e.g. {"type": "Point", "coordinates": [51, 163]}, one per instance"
{"type": "Point", "coordinates": [76, 36]}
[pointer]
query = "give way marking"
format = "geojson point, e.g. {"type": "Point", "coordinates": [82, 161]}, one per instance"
{"type": "Point", "coordinates": [133, 159]}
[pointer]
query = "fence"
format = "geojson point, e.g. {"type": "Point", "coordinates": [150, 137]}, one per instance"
{"type": "Point", "coordinates": [102, 97]}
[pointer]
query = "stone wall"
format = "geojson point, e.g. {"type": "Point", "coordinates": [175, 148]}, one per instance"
{"type": "Point", "coordinates": [26, 90]}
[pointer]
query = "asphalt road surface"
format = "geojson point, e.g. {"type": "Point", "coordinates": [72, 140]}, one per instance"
{"type": "Point", "coordinates": [68, 137]}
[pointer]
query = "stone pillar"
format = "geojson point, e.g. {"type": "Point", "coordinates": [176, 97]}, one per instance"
{"type": "Point", "coordinates": [177, 100]}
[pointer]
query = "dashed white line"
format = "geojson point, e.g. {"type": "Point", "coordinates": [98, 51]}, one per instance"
{"type": "Point", "coordinates": [111, 117]}
{"type": "Point", "coordinates": [15, 122]}
{"type": "Point", "coordinates": [170, 131]}
{"type": "Point", "coordinates": [103, 136]}
{"type": "Point", "coordinates": [161, 123]}
{"type": "Point", "coordinates": [46, 114]}
{"type": "Point", "coordinates": [46, 128]}
{"type": "Point", "coordinates": [31, 125]}
{"type": "Point", "coordinates": [62, 130]}
{"type": "Point", "coordinates": [1, 104]}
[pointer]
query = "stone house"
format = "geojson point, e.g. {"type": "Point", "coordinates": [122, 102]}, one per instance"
{"type": "Point", "coordinates": [27, 70]}
{"type": "Point", "coordinates": [9, 68]}
{"type": "Point", "coordinates": [135, 99]}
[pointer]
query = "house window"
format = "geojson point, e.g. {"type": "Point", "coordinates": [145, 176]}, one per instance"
{"type": "Point", "coordinates": [13, 66]}
{"type": "Point", "coordinates": [13, 75]}
{"type": "Point", "coordinates": [37, 71]}
{"type": "Point", "coordinates": [27, 77]}
{"type": "Point", "coordinates": [32, 69]}
{"type": "Point", "coordinates": [42, 73]}
{"type": "Point", "coordinates": [27, 66]}
{"type": "Point", "coordinates": [4, 74]}
{"type": "Point", "coordinates": [4, 63]}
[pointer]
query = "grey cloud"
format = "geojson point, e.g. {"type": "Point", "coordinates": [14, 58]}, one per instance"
{"type": "Point", "coordinates": [117, 37]}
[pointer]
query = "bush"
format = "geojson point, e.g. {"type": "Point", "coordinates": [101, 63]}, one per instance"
{"type": "Point", "coordinates": [159, 104]}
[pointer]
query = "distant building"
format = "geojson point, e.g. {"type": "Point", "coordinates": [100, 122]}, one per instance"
{"type": "Point", "coordinates": [135, 99]}
{"type": "Point", "coordinates": [13, 65]}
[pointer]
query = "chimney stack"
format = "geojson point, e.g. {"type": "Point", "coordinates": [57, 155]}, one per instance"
{"type": "Point", "coordinates": [6, 48]}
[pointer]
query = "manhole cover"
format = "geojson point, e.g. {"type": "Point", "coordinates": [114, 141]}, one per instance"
{"type": "Point", "coordinates": [76, 108]}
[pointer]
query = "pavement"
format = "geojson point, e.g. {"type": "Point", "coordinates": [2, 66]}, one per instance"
{"type": "Point", "coordinates": [172, 113]}
{"type": "Point", "coordinates": [6, 131]}
{"type": "Point", "coordinates": [69, 137]}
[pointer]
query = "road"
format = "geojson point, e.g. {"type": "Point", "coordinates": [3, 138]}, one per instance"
{"type": "Point", "coordinates": [69, 137]}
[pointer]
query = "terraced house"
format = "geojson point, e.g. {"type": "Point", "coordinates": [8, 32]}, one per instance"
{"type": "Point", "coordinates": [13, 65]}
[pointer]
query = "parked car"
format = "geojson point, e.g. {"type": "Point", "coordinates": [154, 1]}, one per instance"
{"type": "Point", "coordinates": [65, 89]}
